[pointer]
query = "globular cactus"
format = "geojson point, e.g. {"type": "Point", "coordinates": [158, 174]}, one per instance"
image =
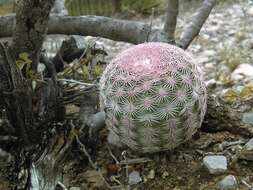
{"type": "Point", "coordinates": [154, 97]}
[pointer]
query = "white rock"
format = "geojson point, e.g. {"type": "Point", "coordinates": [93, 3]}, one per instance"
{"type": "Point", "coordinates": [215, 164]}
{"type": "Point", "coordinates": [245, 70]}
{"type": "Point", "coordinates": [229, 182]}
{"type": "Point", "coordinates": [134, 178]}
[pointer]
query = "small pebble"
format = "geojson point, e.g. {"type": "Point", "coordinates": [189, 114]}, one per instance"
{"type": "Point", "coordinates": [151, 174]}
{"type": "Point", "coordinates": [165, 174]}
{"type": "Point", "coordinates": [229, 182]}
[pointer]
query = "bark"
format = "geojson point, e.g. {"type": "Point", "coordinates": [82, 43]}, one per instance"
{"type": "Point", "coordinates": [18, 104]}
{"type": "Point", "coordinates": [30, 111]}
{"type": "Point", "coordinates": [49, 169]}
{"type": "Point", "coordinates": [15, 98]}
{"type": "Point", "coordinates": [194, 27]}
{"type": "Point", "coordinates": [171, 19]}
{"type": "Point", "coordinates": [31, 25]}
{"type": "Point", "coordinates": [98, 26]}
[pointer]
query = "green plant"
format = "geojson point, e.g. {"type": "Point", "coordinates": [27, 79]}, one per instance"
{"type": "Point", "coordinates": [154, 97]}
{"type": "Point", "coordinates": [140, 6]}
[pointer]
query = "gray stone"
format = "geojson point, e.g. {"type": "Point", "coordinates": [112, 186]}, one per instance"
{"type": "Point", "coordinates": [229, 182]}
{"type": "Point", "coordinates": [134, 178]}
{"type": "Point", "coordinates": [215, 164]}
{"type": "Point", "coordinates": [248, 118]}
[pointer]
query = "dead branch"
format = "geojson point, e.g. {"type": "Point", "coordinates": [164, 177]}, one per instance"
{"type": "Point", "coordinates": [97, 26]}
{"type": "Point", "coordinates": [83, 149]}
{"type": "Point", "coordinates": [194, 27]}
{"type": "Point", "coordinates": [171, 19]}
{"type": "Point", "coordinates": [135, 161]}
{"type": "Point", "coordinates": [122, 30]}
{"type": "Point", "coordinates": [115, 29]}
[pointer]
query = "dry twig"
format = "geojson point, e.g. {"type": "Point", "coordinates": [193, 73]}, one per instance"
{"type": "Point", "coordinates": [83, 149]}
{"type": "Point", "coordinates": [198, 20]}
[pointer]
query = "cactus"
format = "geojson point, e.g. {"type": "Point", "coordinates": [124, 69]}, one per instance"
{"type": "Point", "coordinates": [154, 97]}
